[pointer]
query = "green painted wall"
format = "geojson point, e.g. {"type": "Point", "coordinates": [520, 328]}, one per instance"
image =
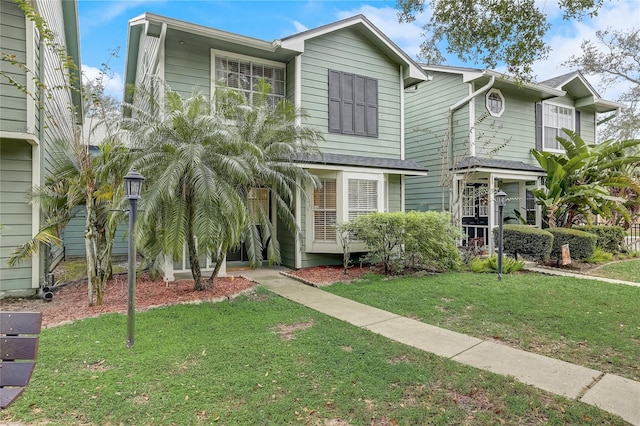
{"type": "Point", "coordinates": [13, 106]}
{"type": "Point", "coordinates": [426, 128]}
{"type": "Point", "coordinates": [348, 51]}
{"type": "Point", "coordinates": [186, 68]}
{"type": "Point", "coordinates": [15, 212]}
{"type": "Point", "coordinates": [510, 136]}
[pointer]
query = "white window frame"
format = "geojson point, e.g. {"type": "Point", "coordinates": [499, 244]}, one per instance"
{"type": "Point", "coordinates": [252, 60]}
{"type": "Point", "coordinates": [545, 124]}
{"type": "Point", "coordinates": [489, 102]}
{"type": "Point", "coordinates": [342, 207]}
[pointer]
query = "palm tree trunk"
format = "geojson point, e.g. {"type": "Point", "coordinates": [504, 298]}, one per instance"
{"type": "Point", "coordinates": [194, 262]}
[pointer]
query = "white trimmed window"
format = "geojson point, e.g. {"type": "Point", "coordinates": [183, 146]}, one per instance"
{"type": "Point", "coordinates": [554, 119]}
{"type": "Point", "coordinates": [242, 73]}
{"type": "Point", "coordinates": [363, 197]}
{"type": "Point", "coordinates": [258, 200]}
{"type": "Point", "coordinates": [344, 196]}
{"type": "Point", "coordinates": [469, 201]}
{"type": "Point", "coordinates": [495, 102]}
{"type": "Point", "coordinates": [325, 211]}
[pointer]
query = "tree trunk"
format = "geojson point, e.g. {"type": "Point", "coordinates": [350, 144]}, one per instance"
{"type": "Point", "coordinates": [194, 262]}
{"type": "Point", "coordinates": [90, 246]}
{"type": "Point", "coordinates": [219, 259]}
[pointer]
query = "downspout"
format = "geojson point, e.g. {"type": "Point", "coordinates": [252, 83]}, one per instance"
{"type": "Point", "coordinates": [453, 108]}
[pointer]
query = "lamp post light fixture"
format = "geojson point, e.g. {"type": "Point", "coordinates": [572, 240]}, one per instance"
{"type": "Point", "coordinates": [501, 198]}
{"type": "Point", "coordinates": [133, 187]}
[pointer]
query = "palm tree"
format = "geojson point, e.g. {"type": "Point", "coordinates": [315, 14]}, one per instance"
{"type": "Point", "coordinates": [192, 167]}
{"type": "Point", "coordinates": [273, 139]}
{"type": "Point", "coordinates": [204, 160]}
{"type": "Point", "coordinates": [579, 181]}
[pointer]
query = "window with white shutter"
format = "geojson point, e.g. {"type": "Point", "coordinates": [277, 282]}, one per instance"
{"type": "Point", "coordinates": [325, 211]}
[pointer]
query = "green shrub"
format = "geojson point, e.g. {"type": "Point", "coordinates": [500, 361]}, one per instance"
{"type": "Point", "coordinates": [416, 240]}
{"type": "Point", "coordinates": [599, 256]}
{"type": "Point", "coordinates": [610, 238]}
{"type": "Point", "coordinates": [526, 241]}
{"type": "Point", "coordinates": [582, 245]}
{"type": "Point", "coordinates": [490, 264]}
{"type": "Point", "coordinates": [383, 234]}
{"type": "Point", "coordinates": [430, 241]}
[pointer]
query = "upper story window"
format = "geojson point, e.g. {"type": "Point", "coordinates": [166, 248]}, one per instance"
{"type": "Point", "coordinates": [353, 104]}
{"type": "Point", "coordinates": [242, 73]}
{"type": "Point", "coordinates": [554, 119]}
{"type": "Point", "coordinates": [495, 102]}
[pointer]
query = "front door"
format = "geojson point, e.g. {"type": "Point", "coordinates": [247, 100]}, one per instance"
{"type": "Point", "coordinates": [258, 198]}
{"type": "Point", "coordinates": [475, 213]}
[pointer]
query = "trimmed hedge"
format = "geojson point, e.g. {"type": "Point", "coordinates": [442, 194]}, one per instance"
{"type": "Point", "coordinates": [526, 241]}
{"type": "Point", "coordinates": [582, 244]}
{"type": "Point", "coordinates": [610, 238]}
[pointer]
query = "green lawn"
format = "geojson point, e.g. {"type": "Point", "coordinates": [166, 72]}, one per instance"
{"type": "Point", "coordinates": [265, 360]}
{"type": "Point", "coordinates": [585, 322]}
{"type": "Point", "coordinates": [626, 270]}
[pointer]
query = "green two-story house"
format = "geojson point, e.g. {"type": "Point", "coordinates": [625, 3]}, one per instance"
{"type": "Point", "coordinates": [475, 129]}
{"type": "Point", "coordinates": [37, 106]}
{"type": "Point", "coordinates": [347, 76]}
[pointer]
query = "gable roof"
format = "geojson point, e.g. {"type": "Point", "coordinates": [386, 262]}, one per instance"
{"type": "Point", "coordinates": [579, 87]}
{"type": "Point", "coordinates": [481, 75]}
{"type": "Point", "coordinates": [414, 72]}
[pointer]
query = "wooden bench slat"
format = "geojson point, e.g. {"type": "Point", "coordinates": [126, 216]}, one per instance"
{"type": "Point", "coordinates": [8, 395]}
{"type": "Point", "coordinates": [18, 347]}
{"type": "Point", "coordinates": [16, 373]}
{"type": "Point", "coordinates": [20, 322]}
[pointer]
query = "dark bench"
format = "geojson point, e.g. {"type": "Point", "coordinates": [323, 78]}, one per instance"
{"type": "Point", "coordinates": [18, 349]}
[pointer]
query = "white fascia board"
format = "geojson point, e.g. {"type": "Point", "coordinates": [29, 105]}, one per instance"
{"type": "Point", "coordinates": [296, 42]}
{"type": "Point", "coordinates": [471, 75]}
{"type": "Point", "coordinates": [211, 32]}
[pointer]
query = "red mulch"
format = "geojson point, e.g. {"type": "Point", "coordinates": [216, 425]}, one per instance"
{"type": "Point", "coordinates": [70, 301]}
{"type": "Point", "coordinates": [325, 275]}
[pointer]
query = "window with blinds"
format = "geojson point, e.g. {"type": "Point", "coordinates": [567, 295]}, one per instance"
{"type": "Point", "coordinates": [243, 75]}
{"type": "Point", "coordinates": [363, 197]}
{"type": "Point", "coordinates": [325, 211]}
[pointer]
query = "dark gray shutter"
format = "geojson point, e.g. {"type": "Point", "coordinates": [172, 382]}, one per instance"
{"type": "Point", "coordinates": [577, 124]}
{"type": "Point", "coordinates": [539, 126]}
{"type": "Point", "coordinates": [348, 100]}
{"type": "Point", "coordinates": [334, 101]}
{"type": "Point", "coordinates": [372, 107]}
{"type": "Point", "coordinates": [360, 106]}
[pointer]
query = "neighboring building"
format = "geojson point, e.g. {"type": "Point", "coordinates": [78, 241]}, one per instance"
{"type": "Point", "coordinates": [350, 79]}
{"type": "Point", "coordinates": [494, 123]}
{"type": "Point", "coordinates": [26, 131]}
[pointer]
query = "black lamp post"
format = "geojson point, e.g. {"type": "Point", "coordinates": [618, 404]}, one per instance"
{"type": "Point", "coordinates": [133, 187]}
{"type": "Point", "coordinates": [501, 198]}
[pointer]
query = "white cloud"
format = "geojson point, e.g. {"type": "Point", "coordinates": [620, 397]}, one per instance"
{"type": "Point", "coordinates": [408, 36]}
{"type": "Point", "coordinates": [113, 83]}
{"type": "Point", "coordinates": [110, 10]}
{"type": "Point", "coordinates": [299, 27]}
{"type": "Point", "coordinates": [566, 37]}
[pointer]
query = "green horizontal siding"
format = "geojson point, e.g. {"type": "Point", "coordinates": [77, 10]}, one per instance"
{"type": "Point", "coordinates": [15, 212]}
{"type": "Point", "coordinates": [348, 51]}
{"type": "Point", "coordinates": [13, 105]}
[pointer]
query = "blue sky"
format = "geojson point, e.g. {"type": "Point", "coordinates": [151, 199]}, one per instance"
{"type": "Point", "coordinates": [103, 26]}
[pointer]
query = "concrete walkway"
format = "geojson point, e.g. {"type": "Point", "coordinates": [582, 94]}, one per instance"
{"type": "Point", "coordinates": [531, 266]}
{"type": "Point", "coordinates": [609, 392]}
